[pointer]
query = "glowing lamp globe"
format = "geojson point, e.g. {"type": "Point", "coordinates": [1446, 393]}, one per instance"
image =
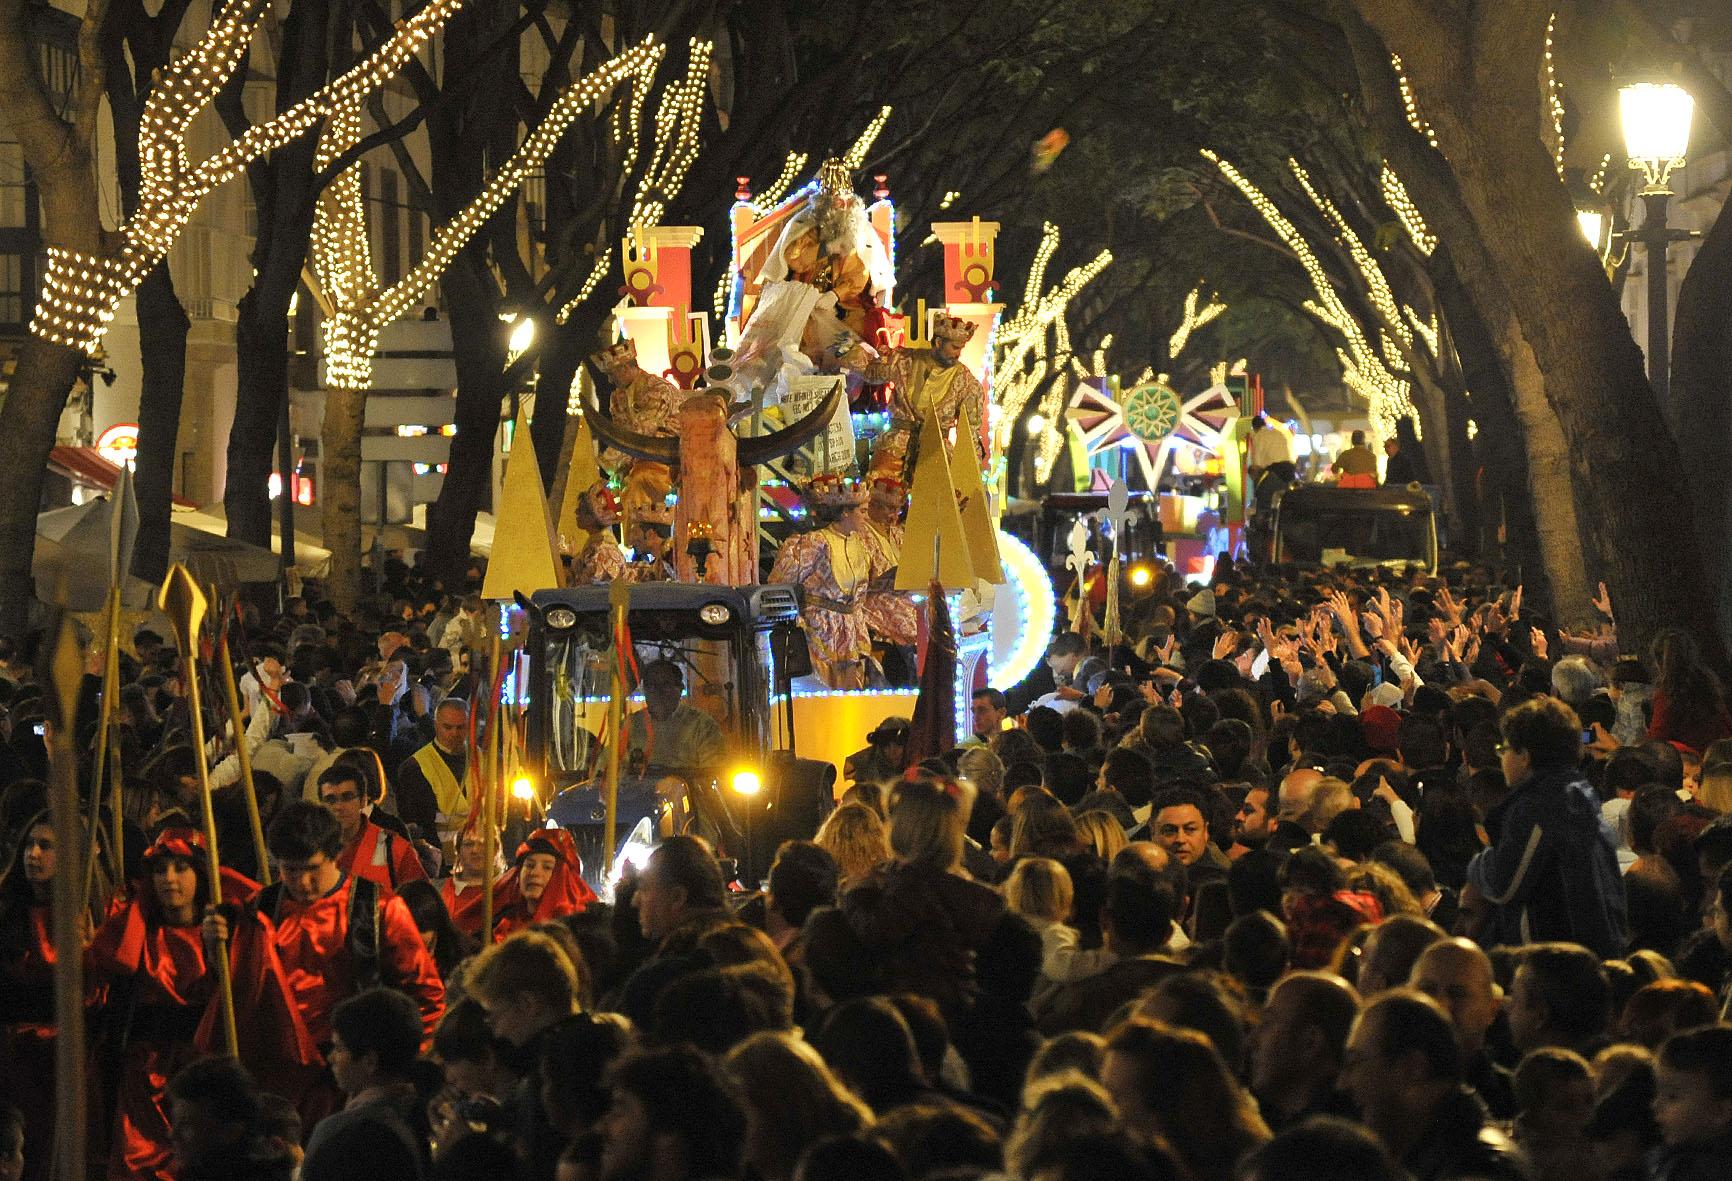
{"type": "Point", "coordinates": [1656, 118]}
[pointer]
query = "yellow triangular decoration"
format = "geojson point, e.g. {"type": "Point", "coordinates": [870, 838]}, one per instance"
{"type": "Point", "coordinates": [933, 521]}
{"type": "Point", "coordinates": [977, 522]}
{"type": "Point", "coordinates": [523, 553]}
{"type": "Point", "coordinates": [582, 472]}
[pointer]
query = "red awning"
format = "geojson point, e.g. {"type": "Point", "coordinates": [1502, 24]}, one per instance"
{"type": "Point", "coordinates": [86, 466]}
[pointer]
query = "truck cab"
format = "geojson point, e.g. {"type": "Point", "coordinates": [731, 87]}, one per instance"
{"type": "Point", "coordinates": [1323, 525]}
{"type": "Point", "coordinates": [738, 649]}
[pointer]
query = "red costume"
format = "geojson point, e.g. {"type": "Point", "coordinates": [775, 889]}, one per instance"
{"type": "Point", "coordinates": [312, 940]}
{"type": "Point", "coordinates": [465, 905]}
{"type": "Point", "coordinates": [169, 1012]}
{"type": "Point", "coordinates": [381, 856]}
{"type": "Point", "coordinates": [566, 892]}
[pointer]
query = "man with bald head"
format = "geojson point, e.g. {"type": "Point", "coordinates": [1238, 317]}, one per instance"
{"type": "Point", "coordinates": [1458, 975]}
{"type": "Point", "coordinates": [1296, 1052]}
{"type": "Point", "coordinates": [431, 792]}
{"type": "Point", "coordinates": [1293, 797]}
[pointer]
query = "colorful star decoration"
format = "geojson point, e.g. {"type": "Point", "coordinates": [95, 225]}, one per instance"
{"type": "Point", "coordinates": [1150, 419]}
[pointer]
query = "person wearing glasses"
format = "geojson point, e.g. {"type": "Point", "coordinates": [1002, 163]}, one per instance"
{"type": "Point", "coordinates": [369, 851]}
{"type": "Point", "coordinates": [1553, 872]}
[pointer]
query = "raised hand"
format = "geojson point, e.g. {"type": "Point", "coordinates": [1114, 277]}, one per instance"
{"type": "Point", "coordinates": [1515, 603]}
{"type": "Point", "coordinates": [1537, 640]}
{"type": "Point", "coordinates": [1449, 605]}
{"type": "Point", "coordinates": [1603, 604]}
{"type": "Point", "coordinates": [1224, 644]}
{"type": "Point", "coordinates": [1372, 624]}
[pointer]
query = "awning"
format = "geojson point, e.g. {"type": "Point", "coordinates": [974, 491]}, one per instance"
{"type": "Point", "coordinates": [86, 466]}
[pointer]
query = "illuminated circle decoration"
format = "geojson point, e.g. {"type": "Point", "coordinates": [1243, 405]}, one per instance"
{"type": "Point", "coordinates": [1151, 412]}
{"type": "Point", "coordinates": [119, 443]}
{"type": "Point", "coordinates": [1023, 614]}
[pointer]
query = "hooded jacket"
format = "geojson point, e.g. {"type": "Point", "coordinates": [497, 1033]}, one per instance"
{"type": "Point", "coordinates": [1553, 872]}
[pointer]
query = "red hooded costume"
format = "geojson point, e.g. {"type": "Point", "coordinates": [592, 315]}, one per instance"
{"type": "Point", "coordinates": [166, 1004]}
{"type": "Point", "coordinates": [566, 892]}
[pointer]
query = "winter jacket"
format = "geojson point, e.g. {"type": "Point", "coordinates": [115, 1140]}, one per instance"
{"type": "Point", "coordinates": [1553, 871]}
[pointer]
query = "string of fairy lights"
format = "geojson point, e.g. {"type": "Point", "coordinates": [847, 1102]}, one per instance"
{"type": "Point", "coordinates": [1554, 98]}
{"type": "Point", "coordinates": [1406, 212]}
{"type": "Point", "coordinates": [1410, 104]}
{"type": "Point", "coordinates": [1033, 344]}
{"type": "Point", "coordinates": [1194, 316]}
{"type": "Point", "coordinates": [81, 292]}
{"type": "Point", "coordinates": [1363, 366]}
{"type": "Point", "coordinates": [352, 332]}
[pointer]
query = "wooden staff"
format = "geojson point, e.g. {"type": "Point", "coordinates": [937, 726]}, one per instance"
{"type": "Point", "coordinates": [181, 600]}
{"type": "Point", "coordinates": [242, 755]}
{"type": "Point", "coordinates": [618, 604]}
{"type": "Point", "coordinates": [489, 788]}
{"type": "Point", "coordinates": [66, 669]}
{"type": "Point", "coordinates": [105, 757]}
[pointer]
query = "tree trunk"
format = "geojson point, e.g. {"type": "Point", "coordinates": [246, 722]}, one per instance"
{"type": "Point", "coordinates": [479, 353]}
{"type": "Point", "coordinates": [1701, 401]}
{"type": "Point", "coordinates": [559, 364]}
{"type": "Point", "coordinates": [284, 195]}
{"type": "Point", "coordinates": [137, 47]}
{"type": "Point", "coordinates": [40, 383]}
{"type": "Point", "coordinates": [162, 330]}
{"type": "Point", "coordinates": [340, 450]}
{"type": "Point", "coordinates": [58, 154]}
{"type": "Point", "coordinates": [1474, 86]}
{"type": "Point", "coordinates": [1437, 193]}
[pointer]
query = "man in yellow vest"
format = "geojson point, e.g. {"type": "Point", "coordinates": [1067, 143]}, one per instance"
{"type": "Point", "coordinates": [431, 791]}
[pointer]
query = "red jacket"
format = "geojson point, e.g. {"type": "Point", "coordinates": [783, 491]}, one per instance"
{"type": "Point", "coordinates": [312, 940]}
{"type": "Point", "coordinates": [383, 857]}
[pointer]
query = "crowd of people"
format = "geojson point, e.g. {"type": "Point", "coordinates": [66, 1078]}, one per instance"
{"type": "Point", "coordinates": [1308, 876]}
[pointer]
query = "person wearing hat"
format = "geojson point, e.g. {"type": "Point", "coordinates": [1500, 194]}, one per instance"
{"type": "Point", "coordinates": [153, 955]}
{"type": "Point", "coordinates": [546, 885]}
{"type": "Point", "coordinates": [925, 377]}
{"type": "Point", "coordinates": [601, 559]}
{"type": "Point", "coordinates": [890, 614]}
{"type": "Point", "coordinates": [641, 402]}
{"type": "Point", "coordinates": [884, 755]}
{"type": "Point", "coordinates": [650, 528]}
{"type": "Point", "coordinates": [832, 566]}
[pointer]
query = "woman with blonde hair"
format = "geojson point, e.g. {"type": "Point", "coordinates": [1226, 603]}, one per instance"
{"type": "Point", "coordinates": [920, 916]}
{"type": "Point", "coordinates": [792, 1100]}
{"type": "Point", "coordinates": [855, 836]}
{"type": "Point", "coordinates": [1101, 833]}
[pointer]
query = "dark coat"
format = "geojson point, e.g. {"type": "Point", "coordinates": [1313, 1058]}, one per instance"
{"type": "Point", "coordinates": [1553, 872]}
{"type": "Point", "coordinates": [1461, 1142]}
{"type": "Point", "coordinates": [924, 925]}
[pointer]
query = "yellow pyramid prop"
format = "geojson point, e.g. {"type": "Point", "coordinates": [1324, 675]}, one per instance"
{"type": "Point", "coordinates": [582, 472]}
{"type": "Point", "coordinates": [934, 527]}
{"type": "Point", "coordinates": [523, 558]}
{"type": "Point", "coordinates": [977, 523]}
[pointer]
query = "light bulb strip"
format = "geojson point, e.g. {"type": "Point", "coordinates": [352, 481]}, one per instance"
{"type": "Point", "coordinates": [81, 292]}
{"type": "Point", "coordinates": [352, 333]}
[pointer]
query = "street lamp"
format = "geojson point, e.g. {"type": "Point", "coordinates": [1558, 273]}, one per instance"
{"type": "Point", "coordinates": [1656, 121]}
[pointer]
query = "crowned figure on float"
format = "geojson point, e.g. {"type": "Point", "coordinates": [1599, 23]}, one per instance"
{"type": "Point", "coordinates": [601, 559]}
{"type": "Point", "coordinates": [920, 376]}
{"type": "Point", "coordinates": [818, 298]}
{"type": "Point", "coordinates": [833, 565]}
{"type": "Point", "coordinates": [890, 614]}
{"type": "Point", "coordinates": [649, 405]}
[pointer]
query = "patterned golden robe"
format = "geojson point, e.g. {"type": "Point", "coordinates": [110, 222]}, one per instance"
{"type": "Point", "coordinates": [919, 383]}
{"type": "Point", "coordinates": [833, 571]}
{"type": "Point", "coordinates": [890, 615]}
{"type": "Point", "coordinates": [600, 560]}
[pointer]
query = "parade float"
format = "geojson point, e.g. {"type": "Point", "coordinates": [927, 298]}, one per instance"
{"type": "Point", "coordinates": [793, 505]}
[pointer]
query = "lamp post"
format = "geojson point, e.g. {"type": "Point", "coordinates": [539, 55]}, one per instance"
{"type": "Point", "coordinates": [1656, 120]}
